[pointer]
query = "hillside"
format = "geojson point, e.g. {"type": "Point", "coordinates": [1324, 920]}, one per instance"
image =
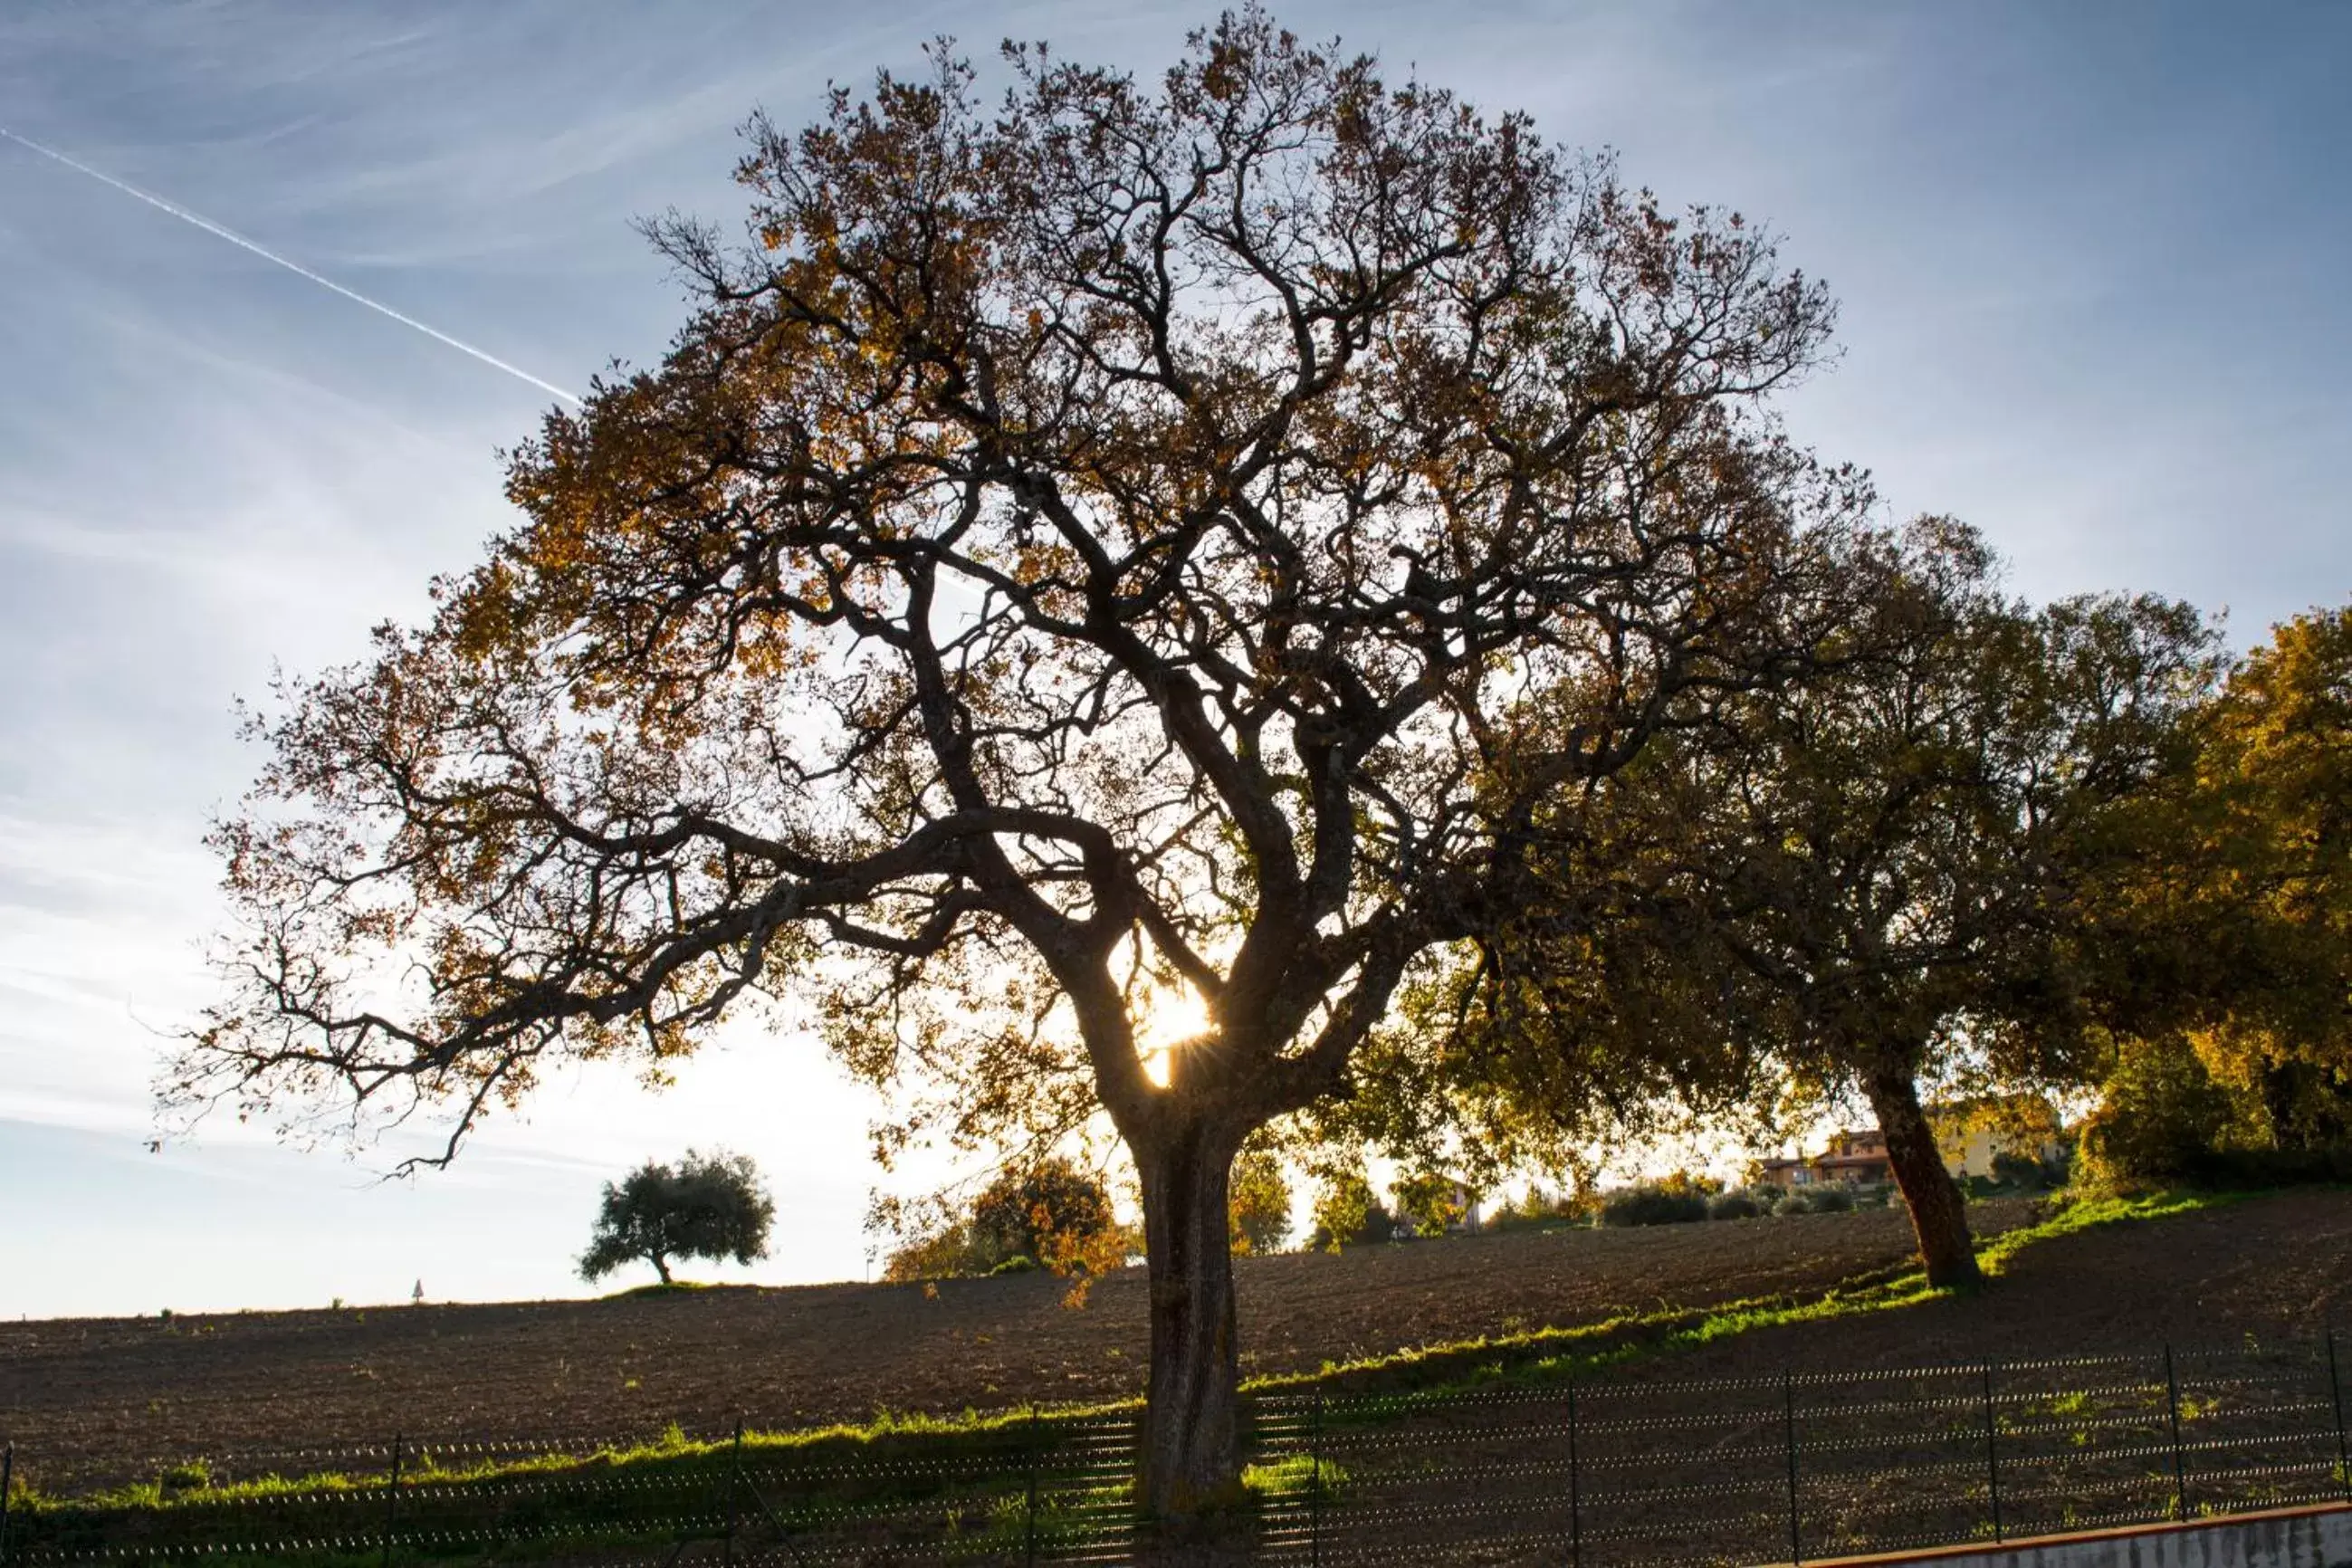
{"type": "Point", "coordinates": [86, 1398]}
{"type": "Point", "coordinates": [2270, 1267]}
{"type": "Point", "coordinates": [798, 1355]}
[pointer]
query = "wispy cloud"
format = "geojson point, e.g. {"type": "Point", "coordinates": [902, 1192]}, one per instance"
{"type": "Point", "coordinates": [223, 232]}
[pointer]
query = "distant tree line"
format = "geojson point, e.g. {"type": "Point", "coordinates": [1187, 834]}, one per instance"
{"type": "Point", "coordinates": [1050, 1213]}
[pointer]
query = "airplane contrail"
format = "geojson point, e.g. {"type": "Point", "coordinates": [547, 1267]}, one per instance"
{"type": "Point", "coordinates": [222, 232]}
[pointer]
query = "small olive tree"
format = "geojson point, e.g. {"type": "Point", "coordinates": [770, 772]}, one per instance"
{"type": "Point", "coordinates": [707, 1205]}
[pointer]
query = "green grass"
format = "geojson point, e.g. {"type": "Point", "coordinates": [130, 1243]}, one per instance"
{"type": "Point", "coordinates": [624, 1497]}
{"type": "Point", "coordinates": [2093, 1213]}
{"type": "Point", "coordinates": [1291, 1476]}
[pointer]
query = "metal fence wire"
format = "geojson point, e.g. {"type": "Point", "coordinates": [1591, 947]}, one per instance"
{"type": "Point", "coordinates": [1627, 1473]}
{"type": "Point", "coordinates": [1807, 1464]}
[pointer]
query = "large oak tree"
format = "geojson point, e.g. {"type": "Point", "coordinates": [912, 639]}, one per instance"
{"type": "Point", "coordinates": [1072, 553]}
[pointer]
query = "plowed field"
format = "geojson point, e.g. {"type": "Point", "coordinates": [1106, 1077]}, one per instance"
{"type": "Point", "coordinates": [82, 1388]}
{"type": "Point", "coordinates": [84, 1396]}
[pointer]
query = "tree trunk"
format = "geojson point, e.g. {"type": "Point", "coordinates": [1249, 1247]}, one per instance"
{"type": "Point", "coordinates": [1190, 1462]}
{"type": "Point", "coordinates": [661, 1266]}
{"type": "Point", "coordinates": [1939, 1214]}
{"type": "Point", "coordinates": [2282, 1086]}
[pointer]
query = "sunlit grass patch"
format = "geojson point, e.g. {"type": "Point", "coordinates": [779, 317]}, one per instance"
{"type": "Point", "coordinates": [2093, 1213]}
{"type": "Point", "coordinates": [1294, 1475]}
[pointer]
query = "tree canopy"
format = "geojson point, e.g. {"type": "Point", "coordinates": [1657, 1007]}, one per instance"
{"type": "Point", "coordinates": [1160, 537]}
{"type": "Point", "coordinates": [2275, 783]}
{"type": "Point", "coordinates": [1904, 849]}
{"type": "Point", "coordinates": [710, 1206]}
{"type": "Point", "coordinates": [1044, 1213]}
{"type": "Point", "coordinates": [1260, 1204]}
{"type": "Point", "coordinates": [1891, 868]}
{"type": "Point", "coordinates": [2238, 920]}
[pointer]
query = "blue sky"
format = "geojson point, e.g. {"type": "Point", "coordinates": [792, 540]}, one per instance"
{"type": "Point", "coordinates": [2090, 260]}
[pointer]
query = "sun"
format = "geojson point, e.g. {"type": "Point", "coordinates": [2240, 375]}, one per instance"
{"type": "Point", "coordinates": [1165, 1017]}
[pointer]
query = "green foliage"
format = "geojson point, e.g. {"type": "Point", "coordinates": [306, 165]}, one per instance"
{"type": "Point", "coordinates": [616, 1504]}
{"type": "Point", "coordinates": [192, 1475]}
{"type": "Point", "coordinates": [1259, 1202]}
{"type": "Point", "coordinates": [708, 1205]}
{"type": "Point", "coordinates": [1294, 1475]}
{"type": "Point", "coordinates": [2026, 1173]}
{"type": "Point", "coordinates": [1020, 1213]}
{"type": "Point", "coordinates": [2160, 1115]}
{"type": "Point", "coordinates": [1347, 1213]}
{"type": "Point", "coordinates": [944, 1254]}
{"type": "Point", "coordinates": [2093, 1213]}
{"type": "Point", "coordinates": [1822, 1197]}
{"type": "Point", "coordinates": [1430, 1202]}
{"type": "Point", "coordinates": [2166, 1117]}
{"type": "Point", "coordinates": [1044, 1214]}
{"type": "Point", "coordinates": [1551, 1355]}
{"type": "Point", "coordinates": [1542, 1210]}
{"type": "Point", "coordinates": [1734, 1205]}
{"type": "Point", "coordinates": [2241, 906]}
{"type": "Point", "coordinates": [1974, 757]}
{"type": "Point", "coordinates": [1652, 1206]}
{"type": "Point", "coordinates": [2277, 767]}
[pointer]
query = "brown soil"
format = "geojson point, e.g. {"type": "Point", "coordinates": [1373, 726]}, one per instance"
{"type": "Point", "coordinates": [120, 1394]}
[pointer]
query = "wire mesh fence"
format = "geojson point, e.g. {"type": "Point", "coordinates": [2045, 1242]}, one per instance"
{"type": "Point", "coordinates": [1042, 1489]}
{"type": "Point", "coordinates": [1805, 1466]}
{"type": "Point", "coordinates": [1623, 1473]}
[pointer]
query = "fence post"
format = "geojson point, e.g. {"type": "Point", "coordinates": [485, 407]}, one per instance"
{"type": "Point", "coordinates": [1789, 1432]}
{"type": "Point", "coordinates": [2172, 1402]}
{"type": "Point", "coordinates": [734, 1492]}
{"type": "Point", "coordinates": [392, 1497]}
{"type": "Point", "coordinates": [2336, 1403]}
{"type": "Point", "coordinates": [1992, 1456]}
{"type": "Point", "coordinates": [1315, 1484]}
{"type": "Point", "coordinates": [1029, 1512]}
{"type": "Point", "coordinates": [1575, 1488]}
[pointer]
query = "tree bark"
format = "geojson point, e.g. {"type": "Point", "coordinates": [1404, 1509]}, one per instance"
{"type": "Point", "coordinates": [1939, 1214]}
{"type": "Point", "coordinates": [1190, 1461]}
{"type": "Point", "coordinates": [661, 1266]}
